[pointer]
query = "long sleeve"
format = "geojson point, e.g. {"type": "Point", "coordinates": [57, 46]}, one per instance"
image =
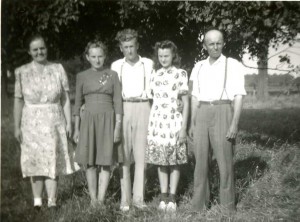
{"type": "Point", "coordinates": [78, 95]}
{"type": "Point", "coordinates": [117, 94]}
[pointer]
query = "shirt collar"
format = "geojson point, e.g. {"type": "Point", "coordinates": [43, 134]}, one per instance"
{"type": "Point", "coordinates": [138, 62]}
{"type": "Point", "coordinates": [219, 60]}
{"type": "Point", "coordinates": [171, 68]}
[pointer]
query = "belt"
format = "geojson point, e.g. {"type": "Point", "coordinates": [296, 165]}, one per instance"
{"type": "Point", "coordinates": [215, 102]}
{"type": "Point", "coordinates": [135, 100]}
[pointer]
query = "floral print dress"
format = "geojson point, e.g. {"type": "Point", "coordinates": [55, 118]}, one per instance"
{"type": "Point", "coordinates": [165, 120]}
{"type": "Point", "coordinates": [44, 148]}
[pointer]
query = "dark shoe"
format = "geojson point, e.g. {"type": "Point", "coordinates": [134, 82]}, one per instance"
{"type": "Point", "coordinates": [37, 208]}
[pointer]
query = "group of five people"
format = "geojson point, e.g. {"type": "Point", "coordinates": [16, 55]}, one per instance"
{"type": "Point", "coordinates": [118, 122]}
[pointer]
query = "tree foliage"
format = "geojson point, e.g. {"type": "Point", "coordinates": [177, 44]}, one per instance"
{"type": "Point", "coordinates": [69, 24]}
{"type": "Point", "coordinates": [20, 19]}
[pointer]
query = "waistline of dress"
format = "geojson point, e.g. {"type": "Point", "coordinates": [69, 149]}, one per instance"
{"type": "Point", "coordinates": [42, 105]}
{"type": "Point", "coordinates": [98, 98]}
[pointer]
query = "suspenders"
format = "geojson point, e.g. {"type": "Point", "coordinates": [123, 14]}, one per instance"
{"type": "Point", "coordinates": [225, 79]}
{"type": "Point", "coordinates": [144, 73]}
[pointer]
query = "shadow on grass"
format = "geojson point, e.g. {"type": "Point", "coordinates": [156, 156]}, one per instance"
{"type": "Point", "coordinates": [269, 127]}
{"type": "Point", "coordinates": [248, 171]}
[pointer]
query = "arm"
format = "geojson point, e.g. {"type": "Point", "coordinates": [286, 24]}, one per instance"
{"type": "Point", "coordinates": [118, 107]}
{"type": "Point", "coordinates": [118, 127]}
{"type": "Point", "coordinates": [77, 107]}
{"type": "Point", "coordinates": [194, 104]}
{"type": "Point", "coordinates": [237, 103]}
{"type": "Point", "coordinates": [76, 129]}
{"type": "Point", "coordinates": [65, 101]}
{"type": "Point", "coordinates": [18, 107]}
{"type": "Point", "coordinates": [185, 114]}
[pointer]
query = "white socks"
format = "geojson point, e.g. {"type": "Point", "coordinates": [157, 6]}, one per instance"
{"type": "Point", "coordinates": [37, 202]}
{"type": "Point", "coordinates": [51, 202]}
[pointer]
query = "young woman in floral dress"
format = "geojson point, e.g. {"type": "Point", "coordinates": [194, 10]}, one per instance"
{"type": "Point", "coordinates": [167, 126]}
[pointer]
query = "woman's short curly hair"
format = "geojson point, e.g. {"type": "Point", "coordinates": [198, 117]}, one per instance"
{"type": "Point", "coordinates": [95, 44]}
{"type": "Point", "coordinates": [126, 35]}
{"type": "Point", "coordinates": [167, 44]}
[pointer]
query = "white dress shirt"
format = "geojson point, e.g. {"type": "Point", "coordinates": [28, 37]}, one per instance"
{"type": "Point", "coordinates": [208, 79]}
{"type": "Point", "coordinates": [135, 78]}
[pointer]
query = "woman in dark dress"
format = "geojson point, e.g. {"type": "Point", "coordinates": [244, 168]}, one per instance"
{"type": "Point", "coordinates": [99, 127]}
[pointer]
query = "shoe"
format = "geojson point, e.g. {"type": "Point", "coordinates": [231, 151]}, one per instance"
{"type": "Point", "coordinates": [162, 205]}
{"type": "Point", "coordinates": [51, 202]}
{"type": "Point", "coordinates": [140, 206]}
{"type": "Point", "coordinates": [171, 207]}
{"type": "Point", "coordinates": [124, 208]}
{"type": "Point", "coordinates": [37, 208]}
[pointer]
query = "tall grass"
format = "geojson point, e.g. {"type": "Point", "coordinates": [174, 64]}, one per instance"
{"type": "Point", "coordinates": [267, 175]}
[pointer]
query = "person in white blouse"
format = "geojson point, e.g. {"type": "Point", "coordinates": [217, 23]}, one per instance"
{"type": "Point", "coordinates": [134, 72]}
{"type": "Point", "coordinates": [217, 86]}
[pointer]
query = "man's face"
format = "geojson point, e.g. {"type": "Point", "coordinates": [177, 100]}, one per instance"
{"type": "Point", "coordinates": [214, 43]}
{"type": "Point", "coordinates": [129, 49]}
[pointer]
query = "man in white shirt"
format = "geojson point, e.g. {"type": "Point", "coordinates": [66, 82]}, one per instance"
{"type": "Point", "coordinates": [217, 91]}
{"type": "Point", "coordinates": [134, 73]}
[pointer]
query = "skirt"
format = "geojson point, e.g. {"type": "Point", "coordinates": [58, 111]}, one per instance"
{"type": "Point", "coordinates": [96, 145]}
{"type": "Point", "coordinates": [45, 150]}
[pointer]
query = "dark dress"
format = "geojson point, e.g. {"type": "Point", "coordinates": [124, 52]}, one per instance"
{"type": "Point", "coordinates": [100, 91]}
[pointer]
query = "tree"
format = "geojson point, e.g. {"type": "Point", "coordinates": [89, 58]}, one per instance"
{"type": "Point", "coordinates": [69, 24]}
{"type": "Point", "coordinates": [252, 26]}
{"type": "Point", "coordinates": [20, 19]}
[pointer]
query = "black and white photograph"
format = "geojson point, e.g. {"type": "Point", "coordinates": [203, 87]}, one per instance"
{"type": "Point", "coordinates": [157, 110]}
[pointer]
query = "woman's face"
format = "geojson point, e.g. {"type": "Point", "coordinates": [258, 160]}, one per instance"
{"type": "Point", "coordinates": [96, 57]}
{"type": "Point", "coordinates": [165, 57]}
{"type": "Point", "coordinates": [38, 50]}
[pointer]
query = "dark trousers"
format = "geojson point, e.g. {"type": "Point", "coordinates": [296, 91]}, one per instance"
{"type": "Point", "coordinates": [212, 124]}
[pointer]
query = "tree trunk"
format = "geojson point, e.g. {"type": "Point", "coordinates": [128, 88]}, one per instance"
{"type": "Point", "coordinates": [262, 86]}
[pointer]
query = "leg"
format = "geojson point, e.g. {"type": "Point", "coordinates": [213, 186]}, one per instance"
{"type": "Point", "coordinates": [139, 135]}
{"type": "Point", "coordinates": [163, 177]}
{"type": "Point", "coordinates": [125, 184]}
{"type": "Point", "coordinates": [37, 185]}
{"type": "Point", "coordinates": [201, 149]}
{"type": "Point", "coordinates": [91, 177]}
{"type": "Point", "coordinates": [51, 188]}
{"type": "Point", "coordinates": [103, 182]}
{"type": "Point", "coordinates": [174, 179]}
{"type": "Point", "coordinates": [125, 178]}
{"type": "Point", "coordinates": [224, 155]}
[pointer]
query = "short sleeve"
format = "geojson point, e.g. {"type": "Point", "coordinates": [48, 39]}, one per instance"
{"type": "Point", "coordinates": [239, 79]}
{"type": "Point", "coordinates": [183, 82]}
{"type": "Point", "coordinates": [194, 79]}
{"type": "Point", "coordinates": [18, 85]}
{"type": "Point", "coordinates": [151, 84]}
{"type": "Point", "coordinates": [64, 78]}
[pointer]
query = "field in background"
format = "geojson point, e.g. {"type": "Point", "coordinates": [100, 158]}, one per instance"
{"type": "Point", "coordinates": [267, 171]}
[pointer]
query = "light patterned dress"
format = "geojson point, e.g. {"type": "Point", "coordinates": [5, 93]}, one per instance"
{"type": "Point", "coordinates": [165, 120]}
{"type": "Point", "coordinates": [44, 149]}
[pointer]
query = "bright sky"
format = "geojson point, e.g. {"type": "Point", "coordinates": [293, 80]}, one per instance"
{"type": "Point", "coordinates": [293, 52]}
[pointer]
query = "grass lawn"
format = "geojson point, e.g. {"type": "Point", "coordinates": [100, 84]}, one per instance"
{"type": "Point", "coordinates": [267, 171]}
